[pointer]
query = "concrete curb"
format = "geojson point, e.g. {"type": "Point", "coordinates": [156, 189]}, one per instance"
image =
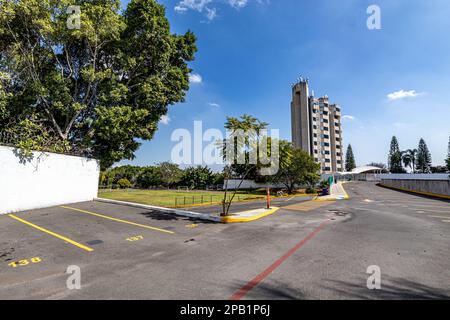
{"type": "Point", "coordinates": [178, 212]}
{"type": "Point", "coordinates": [233, 218]}
{"type": "Point", "coordinates": [334, 197]}
{"type": "Point", "coordinates": [236, 219]}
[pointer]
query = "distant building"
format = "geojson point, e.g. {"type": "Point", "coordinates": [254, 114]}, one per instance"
{"type": "Point", "coordinates": [316, 127]}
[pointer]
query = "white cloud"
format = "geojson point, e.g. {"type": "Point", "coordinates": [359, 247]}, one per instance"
{"type": "Point", "coordinates": [209, 7]}
{"type": "Point", "coordinates": [165, 119]}
{"type": "Point", "coordinates": [211, 14]}
{"type": "Point", "coordinates": [237, 3]}
{"type": "Point", "coordinates": [213, 104]}
{"type": "Point", "coordinates": [195, 78]}
{"type": "Point", "coordinates": [403, 94]}
{"type": "Point", "coordinates": [197, 5]}
{"type": "Point", "coordinates": [348, 117]}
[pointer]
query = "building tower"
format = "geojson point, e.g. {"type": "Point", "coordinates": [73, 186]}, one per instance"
{"type": "Point", "coordinates": [316, 127]}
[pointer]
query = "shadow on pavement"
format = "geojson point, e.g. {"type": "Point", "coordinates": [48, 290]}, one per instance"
{"type": "Point", "coordinates": [272, 290]}
{"type": "Point", "coordinates": [391, 289]}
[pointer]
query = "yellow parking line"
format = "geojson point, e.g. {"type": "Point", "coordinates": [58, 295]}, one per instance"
{"type": "Point", "coordinates": [445, 217]}
{"type": "Point", "coordinates": [118, 220]}
{"type": "Point", "coordinates": [445, 220]}
{"type": "Point", "coordinates": [79, 245]}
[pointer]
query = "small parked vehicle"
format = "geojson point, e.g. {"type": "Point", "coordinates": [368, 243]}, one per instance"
{"type": "Point", "coordinates": [324, 192]}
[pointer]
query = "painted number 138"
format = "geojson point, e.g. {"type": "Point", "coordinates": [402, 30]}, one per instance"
{"type": "Point", "coordinates": [24, 262]}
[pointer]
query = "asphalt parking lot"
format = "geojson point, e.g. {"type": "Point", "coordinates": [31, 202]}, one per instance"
{"type": "Point", "coordinates": [307, 250]}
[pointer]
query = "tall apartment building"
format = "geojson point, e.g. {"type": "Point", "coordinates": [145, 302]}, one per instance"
{"type": "Point", "coordinates": [316, 127]}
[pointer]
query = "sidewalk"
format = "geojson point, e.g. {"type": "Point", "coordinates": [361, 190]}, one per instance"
{"type": "Point", "coordinates": [337, 192]}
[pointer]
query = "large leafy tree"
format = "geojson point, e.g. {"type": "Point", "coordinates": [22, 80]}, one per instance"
{"type": "Point", "coordinates": [350, 162]}
{"type": "Point", "coordinates": [197, 177]}
{"type": "Point", "coordinates": [423, 157]}
{"type": "Point", "coordinates": [297, 168]}
{"type": "Point", "coordinates": [94, 89]}
{"type": "Point", "coordinates": [395, 157]}
{"type": "Point", "coordinates": [170, 173]}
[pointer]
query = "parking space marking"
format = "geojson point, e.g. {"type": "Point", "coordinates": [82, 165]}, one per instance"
{"type": "Point", "coordinates": [79, 245]}
{"type": "Point", "coordinates": [119, 220]}
{"type": "Point", "coordinates": [440, 217]}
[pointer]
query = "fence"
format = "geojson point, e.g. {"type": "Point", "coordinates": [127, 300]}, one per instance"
{"type": "Point", "coordinates": [186, 201]}
{"type": "Point", "coordinates": [176, 198]}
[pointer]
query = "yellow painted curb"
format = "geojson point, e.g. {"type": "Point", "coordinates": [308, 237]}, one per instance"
{"type": "Point", "coordinates": [231, 219]}
{"type": "Point", "coordinates": [415, 191]}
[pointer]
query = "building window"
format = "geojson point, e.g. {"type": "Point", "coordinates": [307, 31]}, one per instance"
{"type": "Point", "coordinates": [339, 162]}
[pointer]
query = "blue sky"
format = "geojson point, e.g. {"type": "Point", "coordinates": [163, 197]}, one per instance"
{"type": "Point", "coordinates": [251, 51]}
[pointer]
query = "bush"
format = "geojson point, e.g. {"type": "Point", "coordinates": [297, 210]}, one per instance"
{"type": "Point", "coordinates": [124, 183]}
{"type": "Point", "coordinates": [310, 190]}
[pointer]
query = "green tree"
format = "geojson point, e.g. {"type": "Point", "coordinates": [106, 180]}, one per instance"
{"type": "Point", "coordinates": [149, 177]}
{"type": "Point", "coordinates": [251, 126]}
{"type": "Point", "coordinates": [297, 168]}
{"type": "Point", "coordinates": [124, 183]}
{"type": "Point", "coordinates": [95, 89]}
{"type": "Point", "coordinates": [409, 158]}
{"type": "Point", "coordinates": [395, 157]}
{"type": "Point", "coordinates": [350, 163]}
{"type": "Point", "coordinates": [423, 158]}
{"type": "Point", "coordinates": [170, 174]}
{"type": "Point", "coordinates": [197, 177]}
{"type": "Point", "coordinates": [438, 169]}
{"type": "Point", "coordinates": [447, 161]}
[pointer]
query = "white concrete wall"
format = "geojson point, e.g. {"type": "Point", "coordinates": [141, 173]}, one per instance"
{"type": "Point", "coordinates": [415, 176]}
{"type": "Point", "coordinates": [49, 179]}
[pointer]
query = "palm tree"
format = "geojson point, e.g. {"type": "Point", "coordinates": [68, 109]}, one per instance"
{"type": "Point", "coordinates": [409, 158]}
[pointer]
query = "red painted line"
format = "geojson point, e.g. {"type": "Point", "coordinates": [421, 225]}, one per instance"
{"type": "Point", "coordinates": [260, 277]}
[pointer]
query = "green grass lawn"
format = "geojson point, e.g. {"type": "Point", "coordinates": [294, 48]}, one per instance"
{"type": "Point", "coordinates": [172, 198]}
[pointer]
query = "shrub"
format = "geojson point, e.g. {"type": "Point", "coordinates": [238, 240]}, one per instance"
{"type": "Point", "coordinates": [124, 183]}
{"type": "Point", "coordinates": [310, 190]}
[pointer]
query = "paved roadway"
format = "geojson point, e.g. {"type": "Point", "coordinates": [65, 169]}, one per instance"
{"type": "Point", "coordinates": [307, 250]}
